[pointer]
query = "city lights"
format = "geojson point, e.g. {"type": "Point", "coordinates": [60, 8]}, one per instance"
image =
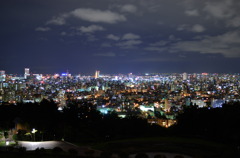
{"type": "Point", "coordinates": [148, 93]}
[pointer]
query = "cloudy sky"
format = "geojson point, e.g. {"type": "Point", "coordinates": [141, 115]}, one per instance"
{"type": "Point", "coordinates": [120, 36]}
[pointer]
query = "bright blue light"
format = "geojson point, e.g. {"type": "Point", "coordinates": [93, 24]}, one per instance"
{"type": "Point", "coordinates": [64, 74]}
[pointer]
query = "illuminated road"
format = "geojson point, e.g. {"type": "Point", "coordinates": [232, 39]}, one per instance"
{"type": "Point", "coordinates": [52, 144]}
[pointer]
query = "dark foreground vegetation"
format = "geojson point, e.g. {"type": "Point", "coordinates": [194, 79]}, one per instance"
{"type": "Point", "coordinates": [76, 123]}
{"type": "Point", "coordinates": [83, 124]}
{"type": "Point", "coordinates": [218, 124]}
{"type": "Point", "coordinates": [194, 147]}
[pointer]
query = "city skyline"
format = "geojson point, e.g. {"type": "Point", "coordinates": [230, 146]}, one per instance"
{"type": "Point", "coordinates": [26, 72]}
{"type": "Point", "coordinates": [116, 36]}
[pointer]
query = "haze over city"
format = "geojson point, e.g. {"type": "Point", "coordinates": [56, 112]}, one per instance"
{"type": "Point", "coordinates": [120, 36]}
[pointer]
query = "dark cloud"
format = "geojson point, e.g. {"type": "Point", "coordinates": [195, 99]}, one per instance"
{"type": "Point", "coordinates": [91, 28]}
{"type": "Point", "coordinates": [43, 29]}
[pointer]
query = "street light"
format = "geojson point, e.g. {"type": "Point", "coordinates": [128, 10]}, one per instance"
{"type": "Point", "coordinates": [33, 132]}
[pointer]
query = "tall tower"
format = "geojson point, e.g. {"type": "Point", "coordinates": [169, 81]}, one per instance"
{"type": "Point", "coordinates": [97, 74]}
{"type": "Point", "coordinates": [26, 72]}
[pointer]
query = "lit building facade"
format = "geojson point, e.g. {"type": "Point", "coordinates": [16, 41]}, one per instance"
{"type": "Point", "coordinates": [2, 76]}
{"type": "Point", "coordinates": [97, 73]}
{"type": "Point", "coordinates": [26, 72]}
{"type": "Point", "coordinates": [185, 76]}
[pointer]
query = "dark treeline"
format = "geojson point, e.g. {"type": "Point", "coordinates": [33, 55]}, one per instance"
{"type": "Point", "coordinates": [219, 124]}
{"type": "Point", "coordinates": [83, 123]}
{"type": "Point", "coordinates": [76, 123]}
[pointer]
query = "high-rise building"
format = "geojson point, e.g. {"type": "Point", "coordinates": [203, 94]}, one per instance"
{"type": "Point", "coordinates": [2, 72]}
{"type": "Point", "coordinates": [185, 76]}
{"type": "Point", "coordinates": [194, 75]}
{"type": "Point", "coordinates": [26, 72]}
{"type": "Point", "coordinates": [97, 73]}
{"type": "Point", "coordinates": [130, 75]}
{"type": "Point", "coordinates": [2, 76]}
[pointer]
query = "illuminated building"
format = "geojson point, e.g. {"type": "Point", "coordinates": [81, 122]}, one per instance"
{"type": "Point", "coordinates": [97, 74]}
{"type": "Point", "coordinates": [146, 108]}
{"type": "Point", "coordinates": [199, 103]}
{"type": "Point", "coordinates": [2, 75]}
{"type": "Point", "coordinates": [185, 76]}
{"type": "Point", "coordinates": [38, 76]}
{"type": "Point", "coordinates": [162, 122]}
{"type": "Point", "coordinates": [61, 98]}
{"type": "Point", "coordinates": [130, 75]}
{"type": "Point", "coordinates": [217, 103]}
{"type": "Point", "coordinates": [167, 105]}
{"type": "Point", "coordinates": [26, 72]}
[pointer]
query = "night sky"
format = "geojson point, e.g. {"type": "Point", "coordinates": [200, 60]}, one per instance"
{"type": "Point", "coordinates": [120, 36]}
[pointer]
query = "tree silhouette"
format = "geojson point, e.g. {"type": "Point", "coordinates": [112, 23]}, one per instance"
{"type": "Point", "coordinates": [141, 155]}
